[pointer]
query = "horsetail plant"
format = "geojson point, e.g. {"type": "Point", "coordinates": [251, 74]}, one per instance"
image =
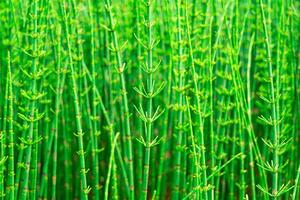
{"type": "Point", "coordinates": [83, 183]}
{"type": "Point", "coordinates": [11, 166]}
{"type": "Point", "coordinates": [149, 92]}
{"type": "Point", "coordinates": [31, 139]}
{"type": "Point", "coordinates": [120, 69]}
{"type": "Point", "coordinates": [179, 89]}
{"type": "Point", "coordinates": [200, 102]}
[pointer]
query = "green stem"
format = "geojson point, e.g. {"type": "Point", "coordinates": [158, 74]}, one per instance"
{"type": "Point", "coordinates": [11, 142]}
{"type": "Point", "coordinates": [121, 68]}
{"type": "Point", "coordinates": [275, 136]}
{"type": "Point", "coordinates": [83, 183]}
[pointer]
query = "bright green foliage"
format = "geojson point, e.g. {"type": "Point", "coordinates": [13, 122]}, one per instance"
{"type": "Point", "coordinates": [149, 99]}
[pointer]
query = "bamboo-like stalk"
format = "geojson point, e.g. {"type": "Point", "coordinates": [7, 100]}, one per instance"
{"type": "Point", "coordinates": [200, 120]}
{"type": "Point", "coordinates": [3, 140]}
{"type": "Point", "coordinates": [275, 135]}
{"type": "Point", "coordinates": [161, 182]}
{"type": "Point", "coordinates": [140, 128]}
{"type": "Point", "coordinates": [120, 68]}
{"type": "Point", "coordinates": [94, 109]}
{"type": "Point", "coordinates": [148, 116]}
{"type": "Point", "coordinates": [296, 187]}
{"type": "Point", "coordinates": [211, 97]}
{"type": "Point", "coordinates": [33, 165]}
{"type": "Point", "coordinates": [61, 75]}
{"type": "Point", "coordinates": [83, 185]}
{"type": "Point", "coordinates": [59, 90]}
{"type": "Point", "coordinates": [110, 165]}
{"type": "Point", "coordinates": [33, 110]}
{"type": "Point", "coordinates": [11, 166]}
{"type": "Point", "coordinates": [249, 97]}
{"type": "Point", "coordinates": [180, 68]}
{"type": "Point", "coordinates": [150, 102]}
{"type": "Point", "coordinates": [197, 181]}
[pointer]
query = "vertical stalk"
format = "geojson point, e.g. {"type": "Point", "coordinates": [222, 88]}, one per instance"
{"type": "Point", "coordinates": [34, 162]}
{"type": "Point", "coordinates": [140, 100]}
{"type": "Point", "coordinates": [110, 165]}
{"type": "Point", "coordinates": [177, 160]}
{"type": "Point", "coordinates": [33, 108]}
{"type": "Point", "coordinates": [275, 136]}
{"type": "Point", "coordinates": [83, 182]}
{"type": "Point", "coordinates": [121, 68]}
{"type": "Point", "coordinates": [252, 161]}
{"type": "Point", "coordinates": [3, 135]}
{"type": "Point", "coordinates": [11, 142]}
{"type": "Point", "coordinates": [211, 96]}
{"type": "Point", "coordinates": [94, 110]}
{"type": "Point", "coordinates": [200, 120]}
{"type": "Point", "coordinates": [150, 90]}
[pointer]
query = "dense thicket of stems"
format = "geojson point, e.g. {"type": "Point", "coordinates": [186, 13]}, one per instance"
{"type": "Point", "coordinates": [149, 99]}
